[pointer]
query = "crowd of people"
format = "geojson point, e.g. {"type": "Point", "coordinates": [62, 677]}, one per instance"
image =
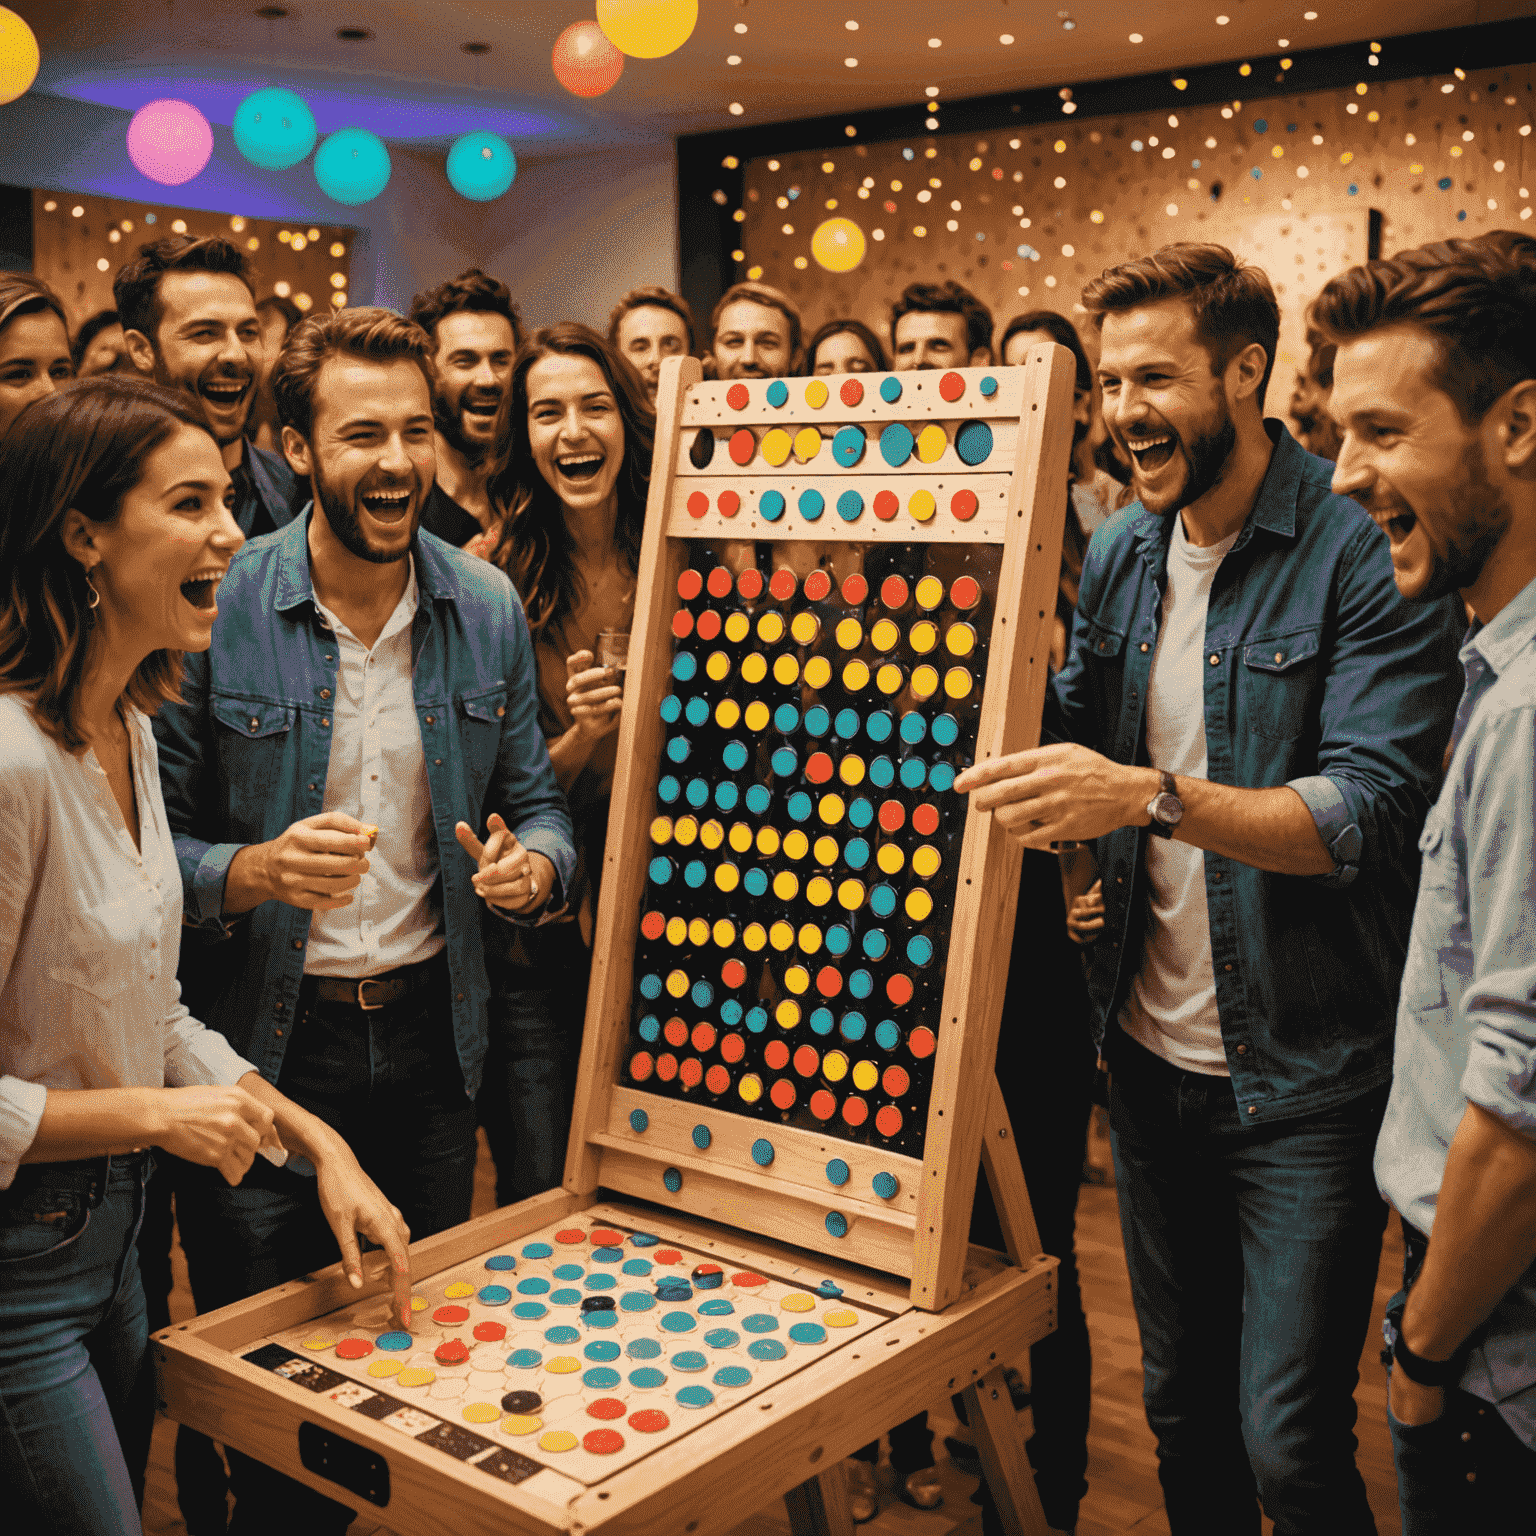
{"type": "Point", "coordinates": [306, 754]}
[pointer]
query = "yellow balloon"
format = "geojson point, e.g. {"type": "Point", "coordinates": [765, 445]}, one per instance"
{"type": "Point", "coordinates": [19, 56]}
{"type": "Point", "coordinates": [647, 29]}
{"type": "Point", "coordinates": [838, 245]}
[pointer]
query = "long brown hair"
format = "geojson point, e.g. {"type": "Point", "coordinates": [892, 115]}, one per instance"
{"type": "Point", "coordinates": [83, 448]}
{"type": "Point", "coordinates": [536, 549]}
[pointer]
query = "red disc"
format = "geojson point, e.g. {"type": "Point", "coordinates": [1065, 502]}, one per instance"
{"type": "Point", "coordinates": [893, 591]}
{"type": "Point", "coordinates": [782, 584]}
{"type": "Point", "coordinates": [899, 989]}
{"type": "Point", "coordinates": [709, 624]}
{"type": "Point", "coordinates": [823, 1104]}
{"type": "Point", "coordinates": [603, 1442]}
{"type": "Point", "coordinates": [698, 504]}
{"type": "Point", "coordinates": [817, 585]}
{"type": "Point", "coordinates": [570, 1236]}
{"type": "Point", "coordinates": [852, 392]}
{"type": "Point", "coordinates": [743, 445]}
{"type": "Point", "coordinates": [667, 1256]}
{"type": "Point", "coordinates": [675, 1032]}
{"type": "Point", "coordinates": [818, 768]}
{"type": "Point", "coordinates": [717, 1079]}
{"type": "Point", "coordinates": [736, 397]}
{"type": "Point", "coordinates": [732, 1048]}
{"type": "Point", "coordinates": [895, 1081]}
{"type": "Point", "coordinates": [807, 1059]}
{"type": "Point", "coordinates": [729, 503]}
{"type": "Point", "coordinates": [653, 925]}
{"type": "Point", "coordinates": [965, 593]}
{"type": "Point", "coordinates": [855, 1110]}
{"type": "Point", "coordinates": [453, 1352]}
{"type": "Point", "coordinates": [921, 1042]}
{"type": "Point", "coordinates": [925, 819]}
{"type": "Point", "coordinates": [892, 815]}
{"type": "Point", "coordinates": [776, 1055]}
{"type": "Point", "coordinates": [682, 623]}
{"type": "Point", "coordinates": [951, 386]}
{"type": "Point", "coordinates": [733, 973]}
{"type": "Point", "coordinates": [719, 582]}
{"type": "Point", "coordinates": [447, 1316]}
{"type": "Point", "coordinates": [691, 1073]}
{"type": "Point", "coordinates": [689, 585]}
{"type": "Point", "coordinates": [748, 1281]}
{"type": "Point", "coordinates": [355, 1349]}
{"type": "Point", "coordinates": [888, 1120]}
{"type": "Point", "coordinates": [887, 505]}
{"type": "Point", "coordinates": [666, 1066]}
{"type": "Point", "coordinates": [750, 583]}
{"type": "Point", "coordinates": [703, 1037]}
{"type": "Point", "coordinates": [708, 1269]}
{"type": "Point", "coordinates": [606, 1237]}
{"type": "Point", "coordinates": [963, 504]}
{"type": "Point", "coordinates": [649, 1421]}
{"type": "Point", "coordinates": [606, 1408]}
{"type": "Point", "coordinates": [641, 1065]}
{"type": "Point", "coordinates": [829, 981]}
{"type": "Point", "coordinates": [855, 589]}
{"type": "Point", "coordinates": [488, 1333]}
{"type": "Point", "coordinates": [783, 1094]}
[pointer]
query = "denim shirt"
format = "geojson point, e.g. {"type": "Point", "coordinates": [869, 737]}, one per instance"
{"type": "Point", "coordinates": [1322, 678]}
{"type": "Point", "coordinates": [1466, 1027]}
{"type": "Point", "coordinates": [247, 752]}
{"type": "Point", "coordinates": [272, 498]}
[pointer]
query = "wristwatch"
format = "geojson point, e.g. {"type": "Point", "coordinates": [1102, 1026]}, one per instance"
{"type": "Point", "coordinates": [1428, 1373]}
{"type": "Point", "coordinates": [1165, 808]}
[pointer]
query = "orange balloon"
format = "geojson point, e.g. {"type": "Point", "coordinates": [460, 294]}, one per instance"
{"type": "Point", "coordinates": [584, 61]}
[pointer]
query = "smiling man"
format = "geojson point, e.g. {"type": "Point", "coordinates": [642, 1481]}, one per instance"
{"type": "Point", "coordinates": [940, 325]}
{"type": "Point", "coordinates": [368, 713]}
{"type": "Point", "coordinates": [1435, 391]}
{"type": "Point", "coordinates": [1254, 721]}
{"type": "Point", "coordinates": [755, 333]}
{"type": "Point", "coordinates": [648, 325]}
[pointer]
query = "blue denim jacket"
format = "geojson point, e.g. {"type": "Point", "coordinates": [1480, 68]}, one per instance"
{"type": "Point", "coordinates": [246, 755]}
{"type": "Point", "coordinates": [1321, 677]}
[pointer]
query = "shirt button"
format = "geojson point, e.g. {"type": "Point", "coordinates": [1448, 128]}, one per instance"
{"type": "Point", "coordinates": [458, 997]}
{"type": "Point", "coordinates": [501, 709]}
{"type": "Point", "coordinates": [437, 762]}
{"type": "Point", "coordinates": [1226, 967]}
{"type": "Point", "coordinates": [1466, 1435]}
{"type": "Point", "coordinates": [1145, 647]}
{"type": "Point", "coordinates": [254, 722]}
{"type": "Point", "coordinates": [431, 719]}
{"type": "Point", "coordinates": [1253, 1109]}
{"type": "Point", "coordinates": [325, 693]}
{"type": "Point", "coordinates": [1215, 659]}
{"type": "Point", "coordinates": [154, 944]}
{"type": "Point", "coordinates": [311, 788]}
{"type": "Point", "coordinates": [1279, 656]}
{"type": "Point", "coordinates": [278, 1033]}
{"type": "Point", "coordinates": [1216, 875]}
{"type": "Point", "coordinates": [298, 943]}
{"type": "Point", "coordinates": [1242, 1050]}
{"type": "Point", "coordinates": [325, 724]}
{"type": "Point", "coordinates": [278, 1009]}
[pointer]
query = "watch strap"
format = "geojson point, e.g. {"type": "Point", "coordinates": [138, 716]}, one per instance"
{"type": "Point", "coordinates": [1427, 1373]}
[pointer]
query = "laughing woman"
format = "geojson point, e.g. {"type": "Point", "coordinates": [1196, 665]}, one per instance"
{"type": "Point", "coordinates": [114, 531]}
{"type": "Point", "coordinates": [34, 344]}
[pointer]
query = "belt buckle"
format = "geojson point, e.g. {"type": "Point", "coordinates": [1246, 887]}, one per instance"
{"type": "Point", "coordinates": [362, 998]}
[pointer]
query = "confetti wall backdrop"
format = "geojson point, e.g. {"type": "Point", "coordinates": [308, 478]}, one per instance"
{"type": "Point", "coordinates": [80, 240]}
{"type": "Point", "coordinates": [1025, 219]}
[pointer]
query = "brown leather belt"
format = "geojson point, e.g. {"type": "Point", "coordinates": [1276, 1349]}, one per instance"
{"type": "Point", "coordinates": [372, 992]}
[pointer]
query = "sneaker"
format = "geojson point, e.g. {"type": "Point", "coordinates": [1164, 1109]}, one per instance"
{"type": "Point", "coordinates": [863, 1490]}
{"type": "Point", "coordinates": [922, 1489]}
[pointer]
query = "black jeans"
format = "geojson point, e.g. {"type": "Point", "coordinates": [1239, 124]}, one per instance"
{"type": "Point", "coordinates": [388, 1080]}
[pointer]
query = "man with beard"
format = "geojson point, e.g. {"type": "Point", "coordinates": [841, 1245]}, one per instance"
{"type": "Point", "coordinates": [188, 311]}
{"type": "Point", "coordinates": [476, 331]}
{"type": "Point", "coordinates": [755, 333]}
{"type": "Point", "coordinates": [940, 325]}
{"type": "Point", "coordinates": [1435, 390]}
{"type": "Point", "coordinates": [369, 688]}
{"type": "Point", "coordinates": [1253, 724]}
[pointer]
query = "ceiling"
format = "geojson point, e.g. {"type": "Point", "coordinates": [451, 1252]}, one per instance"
{"type": "Point", "coordinates": [411, 82]}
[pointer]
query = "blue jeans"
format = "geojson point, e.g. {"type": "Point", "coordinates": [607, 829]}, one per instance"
{"type": "Point", "coordinates": [1252, 1258]}
{"type": "Point", "coordinates": [77, 1386]}
{"type": "Point", "coordinates": [388, 1080]}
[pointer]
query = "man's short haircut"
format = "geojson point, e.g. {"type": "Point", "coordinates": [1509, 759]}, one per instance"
{"type": "Point", "coordinates": [276, 304]}
{"type": "Point", "coordinates": [23, 294]}
{"type": "Point", "coordinates": [1475, 298]}
{"type": "Point", "coordinates": [136, 288]}
{"type": "Point", "coordinates": [471, 292]}
{"type": "Point", "coordinates": [1320, 355]}
{"type": "Point", "coordinates": [771, 298]}
{"type": "Point", "coordinates": [1060, 330]}
{"type": "Point", "coordinates": [379, 335]}
{"type": "Point", "coordinates": [1233, 303]}
{"type": "Point", "coordinates": [947, 298]}
{"type": "Point", "coordinates": [656, 298]}
{"type": "Point", "coordinates": [102, 320]}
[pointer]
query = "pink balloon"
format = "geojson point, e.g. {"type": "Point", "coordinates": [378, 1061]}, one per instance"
{"type": "Point", "coordinates": [584, 61]}
{"type": "Point", "coordinates": [169, 141]}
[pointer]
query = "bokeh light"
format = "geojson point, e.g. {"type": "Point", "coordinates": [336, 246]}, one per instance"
{"type": "Point", "coordinates": [584, 61]}
{"type": "Point", "coordinates": [481, 166]}
{"type": "Point", "coordinates": [274, 128]}
{"type": "Point", "coordinates": [169, 141]}
{"type": "Point", "coordinates": [647, 29]}
{"type": "Point", "coordinates": [19, 56]}
{"type": "Point", "coordinates": [352, 166]}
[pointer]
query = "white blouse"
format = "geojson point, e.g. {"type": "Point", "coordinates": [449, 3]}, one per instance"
{"type": "Point", "coordinates": [90, 932]}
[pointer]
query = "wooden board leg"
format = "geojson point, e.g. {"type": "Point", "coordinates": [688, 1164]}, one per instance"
{"type": "Point", "coordinates": [1004, 1464]}
{"type": "Point", "coordinates": [1000, 1157]}
{"type": "Point", "coordinates": [819, 1506]}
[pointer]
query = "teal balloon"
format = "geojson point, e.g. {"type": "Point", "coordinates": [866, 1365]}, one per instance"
{"type": "Point", "coordinates": [481, 166]}
{"type": "Point", "coordinates": [274, 128]}
{"type": "Point", "coordinates": [352, 166]}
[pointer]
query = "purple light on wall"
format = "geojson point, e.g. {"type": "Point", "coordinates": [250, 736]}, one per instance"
{"type": "Point", "coordinates": [169, 141]}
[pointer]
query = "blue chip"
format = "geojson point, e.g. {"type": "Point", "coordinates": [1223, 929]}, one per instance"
{"type": "Point", "coordinates": [695, 874]}
{"type": "Point", "coordinates": [732, 1376]}
{"type": "Point", "coordinates": [762, 1152]}
{"type": "Point", "coordinates": [722, 1338]}
{"type": "Point", "coordinates": [650, 1032]}
{"type": "Point", "coordinates": [941, 777]}
{"type": "Point", "coordinates": [668, 789]}
{"type": "Point", "coordinates": [817, 720]}
{"type": "Point", "coordinates": [702, 994]}
{"type": "Point", "coordinates": [946, 730]}
{"type": "Point", "coordinates": [885, 1185]}
{"type": "Point", "coordinates": [837, 1172]}
{"type": "Point", "coordinates": [726, 795]}
{"type": "Point", "coordinates": [776, 393]}
{"type": "Point", "coordinates": [396, 1338]}
{"type": "Point", "coordinates": [601, 1378]}
{"type": "Point", "coordinates": [761, 1322]}
{"type": "Point", "coordinates": [644, 1239]}
{"type": "Point", "coordinates": [766, 1349]}
{"type": "Point", "coordinates": [730, 1013]}
{"type": "Point", "coordinates": [495, 1295]}
{"type": "Point", "coordinates": [529, 1310]}
{"type": "Point", "coordinates": [565, 1297]}
{"type": "Point", "coordinates": [600, 1282]}
{"type": "Point", "coordinates": [837, 1225]}
{"type": "Point", "coordinates": [784, 761]}
{"type": "Point", "coordinates": [601, 1319]}
{"type": "Point", "coordinates": [757, 1019]}
{"type": "Point", "coordinates": [689, 1360]}
{"type": "Point", "coordinates": [679, 1322]}
{"type": "Point", "coordinates": [701, 1135]}
{"type": "Point", "coordinates": [525, 1359]}
{"type": "Point", "coordinates": [799, 806]}
{"type": "Point", "coordinates": [808, 1333]}
{"type": "Point", "coordinates": [837, 940]}
{"type": "Point", "coordinates": [811, 503]}
{"type": "Point", "coordinates": [882, 901]}
{"type": "Point", "coordinates": [607, 1255]}
{"type": "Point", "coordinates": [637, 1266]}
{"type": "Point", "coordinates": [878, 726]}
{"type": "Point", "coordinates": [896, 442]}
{"type": "Point", "coordinates": [771, 505]}
{"type": "Point", "coordinates": [639, 1121]}
{"type": "Point", "coordinates": [821, 1021]}
{"type": "Point", "coordinates": [685, 666]}
{"type": "Point", "coordinates": [568, 1271]}
{"type": "Point", "coordinates": [672, 1180]}
{"type": "Point", "coordinates": [734, 756]}
{"type": "Point", "coordinates": [602, 1350]}
{"type": "Point", "coordinates": [560, 1334]}
{"type": "Point", "coordinates": [913, 727]}
{"type": "Point", "coordinates": [852, 1026]}
{"type": "Point", "coordinates": [534, 1285]}
{"type": "Point", "coordinates": [855, 856]}
{"type": "Point", "coordinates": [660, 872]}
{"type": "Point", "coordinates": [973, 442]}
{"type": "Point", "coordinates": [758, 799]}
{"type": "Point", "coordinates": [847, 724]}
{"type": "Point", "coordinates": [695, 1397]}
{"type": "Point", "coordinates": [890, 389]}
{"type": "Point", "coordinates": [860, 812]}
{"type": "Point", "coordinates": [697, 793]}
{"type": "Point", "coordinates": [756, 880]}
{"type": "Point", "coordinates": [875, 943]}
{"type": "Point", "coordinates": [850, 506]}
{"type": "Point", "coordinates": [848, 448]}
{"type": "Point", "coordinates": [643, 1349]}
{"type": "Point", "coordinates": [671, 709]}
{"type": "Point", "coordinates": [920, 949]}
{"type": "Point", "coordinates": [987, 386]}
{"type": "Point", "coordinates": [697, 711]}
{"type": "Point", "coordinates": [861, 984]}
{"type": "Point", "coordinates": [673, 1288]}
{"type": "Point", "coordinates": [882, 773]}
{"type": "Point", "coordinates": [786, 718]}
{"type": "Point", "coordinates": [501, 1261]}
{"type": "Point", "coordinates": [716, 1306]}
{"type": "Point", "coordinates": [914, 772]}
{"type": "Point", "coordinates": [887, 1034]}
{"type": "Point", "coordinates": [647, 1378]}
{"type": "Point", "coordinates": [829, 1291]}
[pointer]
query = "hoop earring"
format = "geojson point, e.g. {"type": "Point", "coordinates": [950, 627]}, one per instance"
{"type": "Point", "coordinates": [94, 600]}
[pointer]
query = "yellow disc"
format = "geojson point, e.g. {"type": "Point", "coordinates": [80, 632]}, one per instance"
{"type": "Point", "coordinates": [781, 935]}
{"type": "Point", "coordinates": [889, 679]}
{"type": "Point", "coordinates": [818, 891]}
{"type": "Point", "coordinates": [890, 859]}
{"type": "Point", "coordinates": [646, 29]}
{"type": "Point", "coordinates": [850, 895]}
{"type": "Point", "coordinates": [926, 861]}
{"type": "Point", "coordinates": [884, 635]}
{"type": "Point", "coordinates": [798, 1301]}
{"type": "Point", "coordinates": [711, 834]}
{"type": "Point", "coordinates": [830, 808]}
{"type": "Point", "coordinates": [419, 1303]}
{"type": "Point", "coordinates": [855, 675]}
{"type": "Point", "coordinates": [698, 931]}
{"type": "Point", "coordinates": [957, 682]}
{"type": "Point", "coordinates": [459, 1289]}
{"type": "Point", "coordinates": [19, 56]}
{"type": "Point", "coordinates": [520, 1424]}
{"type": "Point", "coordinates": [930, 593]}
{"type": "Point", "coordinates": [677, 983]}
{"type": "Point", "coordinates": [834, 1066]}
{"type": "Point", "coordinates": [555, 1440]}
{"type": "Point", "coordinates": [737, 627]}
{"type": "Point", "coordinates": [775, 446]}
{"type": "Point", "coordinates": [319, 1341]}
{"type": "Point", "coordinates": [754, 936]}
{"type": "Point", "coordinates": [385, 1367]}
{"type": "Point", "coordinates": [686, 831]}
{"type": "Point", "coordinates": [960, 639]}
{"type": "Point", "coordinates": [727, 877]}
{"type": "Point", "coordinates": [804, 627]}
{"type": "Point", "coordinates": [850, 634]}
{"type": "Point", "coordinates": [415, 1376]}
{"type": "Point", "coordinates": [808, 441]}
{"type": "Point", "coordinates": [925, 682]}
{"type": "Point", "coordinates": [740, 837]}
{"type": "Point", "coordinates": [718, 666]}
{"type": "Point", "coordinates": [826, 850]}
{"type": "Point", "coordinates": [818, 672]}
{"type": "Point", "coordinates": [865, 1075]}
{"type": "Point", "coordinates": [923, 637]}
{"type": "Point", "coordinates": [787, 1014]}
{"type": "Point", "coordinates": [767, 841]}
{"type": "Point", "coordinates": [851, 769]}
{"type": "Point", "coordinates": [785, 669]}
{"type": "Point", "coordinates": [810, 938]}
{"type": "Point", "coordinates": [797, 979]}
{"type": "Point", "coordinates": [786, 885]}
{"type": "Point", "coordinates": [931, 443]}
{"type": "Point", "coordinates": [563, 1365]}
{"type": "Point", "coordinates": [770, 628]}
{"type": "Point", "coordinates": [727, 713]}
{"type": "Point", "coordinates": [838, 245]}
{"type": "Point", "coordinates": [481, 1413]}
{"type": "Point", "coordinates": [816, 394]}
{"type": "Point", "coordinates": [840, 1317]}
{"type": "Point", "coordinates": [754, 668]}
{"type": "Point", "coordinates": [677, 930]}
{"type": "Point", "coordinates": [796, 844]}
{"type": "Point", "coordinates": [921, 504]}
{"type": "Point", "coordinates": [757, 715]}
{"type": "Point", "coordinates": [724, 933]}
{"type": "Point", "coordinates": [919, 904]}
{"type": "Point", "coordinates": [661, 830]}
{"type": "Point", "coordinates": [750, 1088]}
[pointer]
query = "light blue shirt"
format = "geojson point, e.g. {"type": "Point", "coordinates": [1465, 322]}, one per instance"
{"type": "Point", "coordinates": [1466, 1024]}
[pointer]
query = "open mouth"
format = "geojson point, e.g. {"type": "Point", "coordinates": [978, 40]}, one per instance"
{"type": "Point", "coordinates": [482, 408]}
{"type": "Point", "coordinates": [580, 466]}
{"type": "Point", "coordinates": [226, 393]}
{"type": "Point", "coordinates": [1151, 453]}
{"type": "Point", "coordinates": [387, 506]}
{"type": "Point", "coordinates": [1399, 526]}
{"type": "Point", "coordinates": [200, 590]}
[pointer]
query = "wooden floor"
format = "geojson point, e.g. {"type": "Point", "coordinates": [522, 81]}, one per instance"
{"type": "Point", "coordinates": [1123, 1492]}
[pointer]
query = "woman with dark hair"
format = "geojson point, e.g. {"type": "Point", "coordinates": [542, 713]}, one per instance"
{"type": "Point", "coordinates": [573, 479]}
{"type": "Point", "coordinates": [845, 346]}
{"type": "Point", "coordinates": [114, 534]}
{"type": "Point", "coordinates": [34, 344]}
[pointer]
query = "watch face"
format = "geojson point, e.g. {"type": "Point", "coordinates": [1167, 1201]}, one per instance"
{"type": "Point", "coordinates": [1168, 809]}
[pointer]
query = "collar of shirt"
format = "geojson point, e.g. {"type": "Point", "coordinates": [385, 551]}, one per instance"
{"type": "Point", "coordinates": [1508, 633]}
{"type": "Point", "coordinates": [405, 611]}
{"type": "Point", "coordinates": [295, 585]}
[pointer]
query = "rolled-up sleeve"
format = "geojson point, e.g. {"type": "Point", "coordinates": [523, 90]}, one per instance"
{"type": "Point", "coordinates": [196, 1056]}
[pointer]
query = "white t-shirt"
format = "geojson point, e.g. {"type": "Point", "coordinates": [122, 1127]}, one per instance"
{"type": "Point", "coordinates": [1171, 1007]}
